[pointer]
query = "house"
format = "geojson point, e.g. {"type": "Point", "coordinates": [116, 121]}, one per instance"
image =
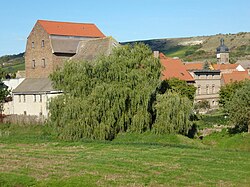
{"type": "Point", "coordinates": [245, 64]}
{"type": "Point", "coordinates": [50, 43]}
{"type": "Point", "coordinates": [174, 68]}
{"type": "Point", "coordinates": [227, 68]}
{"type": "Point", "coordinates": [228, 78]}
{"type": "Point", "coordinates": [48, 46]}
{"type": "Point", "coordinates": [208, 83]}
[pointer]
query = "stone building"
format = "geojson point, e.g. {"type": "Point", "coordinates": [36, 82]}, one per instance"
{"type": "Point", "coordinates": [49, 45]}
{"type": "Point", "coordinates": [208, 83]}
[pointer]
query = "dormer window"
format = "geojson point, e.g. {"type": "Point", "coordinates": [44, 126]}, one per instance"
{"type": "Point", "coordinates": [33, 44]}
{"type": "Point", "coordinates": [42, 43]}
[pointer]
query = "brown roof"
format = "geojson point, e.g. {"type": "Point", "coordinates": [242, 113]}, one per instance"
{"type": "Point", "coordinates": [34, 85]}
{"type": "Point", "coordinates": [64, 45]}
{"type": "Point", "coordinates": [174, 68]}
{"type": "Point", "coordinates": [92, 49]}
{"type": "Point", "coordinates": [225, 66]}
{"type": "Point", "coordinates": [235, 76]}
{"type": "Point", "coordinates": [71, 29]}
{"type": "Point", "coordinates": [194, 66]}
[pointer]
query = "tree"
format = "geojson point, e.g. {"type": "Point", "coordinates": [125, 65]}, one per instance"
{"type": "Point", "coordinates": [3, 91]}
{"type": "Point", "coordinates": [239, 108]}
{"type": "Point", "coordinates": [226, 92]}
{"type": "Point", "coordinates": [202, 105]}
{"type": "Point", "coordinates": [206, 65]}
{"type": "Point", "coordinates": [173, 114]}
{"type": "Point", "coordinates": [181, 87]}
{"type": "Point", "coordinates": [108, 96]}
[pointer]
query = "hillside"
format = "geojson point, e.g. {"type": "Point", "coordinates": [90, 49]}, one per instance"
{"type": "Point", "coordinates": [202, 47]}
{"type": "Point", "coordinates": [12, 63]}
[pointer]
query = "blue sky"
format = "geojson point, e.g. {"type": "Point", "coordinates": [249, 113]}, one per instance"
{"type": "Point", "coordinates": [125, 20]}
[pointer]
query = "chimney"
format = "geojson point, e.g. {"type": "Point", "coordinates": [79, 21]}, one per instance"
{"type": "Point", "coordinates": [156, 54]}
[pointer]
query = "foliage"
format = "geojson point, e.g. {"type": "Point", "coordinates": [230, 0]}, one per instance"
{"type": "Point", "coordinates": [206, 65]}
{"type": "Point", "coordinates": [3, 90]}
{"type": "Point", "coordinates": [108, 96]}
{"type": "Point", "coordinates": [202, 105]}
{"type": "Point", "coordinates": [226, 92]}
{"type": "Point", "coordinates": [181, 87]}
{"type": "Point", "coordinates": [173, 114]}
{"type": "Point", "coordinates": [239, 108]}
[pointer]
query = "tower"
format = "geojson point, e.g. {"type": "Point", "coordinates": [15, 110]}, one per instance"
{"type": "Point", "coordinates": [222, 53]}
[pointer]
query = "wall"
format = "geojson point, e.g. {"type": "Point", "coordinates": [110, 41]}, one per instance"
{"type": "Point", "coordinates": [38, 53]}
{"type": "Point", "coordinates": [212, 95]}
{"type": "Point", "coordinates": [30, 107]}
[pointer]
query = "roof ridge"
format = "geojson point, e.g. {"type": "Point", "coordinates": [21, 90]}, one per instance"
{"type": "Point", "coordinates": [40, 20]}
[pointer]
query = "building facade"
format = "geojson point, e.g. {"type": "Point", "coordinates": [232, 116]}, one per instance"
{"type": "Point", "coordinates": [51, 43]}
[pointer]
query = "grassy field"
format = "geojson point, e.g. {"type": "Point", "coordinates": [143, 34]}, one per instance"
{"type": "Point", "coordinates": [31, 156]}
{"type": "Point", "coordinates": [14, 68]}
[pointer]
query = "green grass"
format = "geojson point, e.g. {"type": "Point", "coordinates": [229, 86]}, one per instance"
{"type": "Point", "coordinates": [14, 68]}
{"type": "Point", "coordinates": [209, 120]}
{"type": "Point", "coordinates": [31, 156]}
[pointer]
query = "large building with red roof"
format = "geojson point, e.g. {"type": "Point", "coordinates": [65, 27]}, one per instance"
{"type": "Point", "coordinates": [52, 42]}
{"type": "Point", "coordinates": [49, 44]}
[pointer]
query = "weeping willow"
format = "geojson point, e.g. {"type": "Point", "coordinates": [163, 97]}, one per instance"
{"type": "Point", "coordinates": [172, 114]}
{"type": "Point", "coordinates": [107, 96]}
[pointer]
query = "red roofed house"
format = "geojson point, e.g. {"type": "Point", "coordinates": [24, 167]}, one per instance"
{"type": "Point", "coordinates": [174, 68]}
{"type": "Point", "coordinates": [227, 68]}
{"type": "Point", "coordinates": [228, 78]}
{"type": "Point", "coordinates": [50, 43]}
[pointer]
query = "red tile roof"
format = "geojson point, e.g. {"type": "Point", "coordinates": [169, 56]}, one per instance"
{"type": "Point", "coordinates": [71, 29]}
{"type": "Point", "coordinates": [174, 68]}
{"type": "Point", "coordinates": [225, 66]}
{"type": "Point", "coordinates": [194, 66]}
{"type": "Point", "coordinates": [235, 76]}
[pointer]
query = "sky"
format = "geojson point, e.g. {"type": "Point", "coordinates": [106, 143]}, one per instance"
{"type": "Point", "coordinates": [125, 20]}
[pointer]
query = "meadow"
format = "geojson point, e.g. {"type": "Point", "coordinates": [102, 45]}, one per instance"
{"type": "Point", "coordinates": [33, 156]}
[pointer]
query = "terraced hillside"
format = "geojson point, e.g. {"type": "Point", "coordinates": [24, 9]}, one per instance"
{"type": "Point", "coordinates": [202, 47]}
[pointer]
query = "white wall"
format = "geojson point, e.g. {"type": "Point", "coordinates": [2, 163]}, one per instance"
{"type": "Point", "coordinates": [29, 106]}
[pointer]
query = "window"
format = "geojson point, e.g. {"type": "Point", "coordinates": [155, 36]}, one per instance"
{"type": "Point", "coordinates": [20, 99]}
{"type": "Point", "coordinates": [32, 44]}
{"type": "Point", "coordinates": [199, 89]}
{"type": "Point", "coordinates": [42, 43]}
{"type": "Point", "coordinates": [207, 89]}
{"type": "Point", "coordinates": [213, 88]}
{"type": "Point", "coordinates": [43, 63]}
{"type": "Point", "coordinates": [34, 98]}
{"type": "Point", "coordinates": [24, 98]}
{"type": "Point", "coordinates": [41, 98]}
{"type": "Point", "coordinates": [33, 64]}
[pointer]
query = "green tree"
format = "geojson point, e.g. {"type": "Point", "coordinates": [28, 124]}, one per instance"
{"type": "Point", "coordinates": [111, 95]}
{"type": "Point", "coordinates": [239, 108]}
{"type": "Point", "coordinates": [173, 114]}
{"type": "Point", "coordinates": [206, 65]}
{"type": "Point", "coordinates": [182, 88]}
{"type": "Point", "coordinates": [226, 92]}
{"type": "Point", "coordinates": [3, 90]}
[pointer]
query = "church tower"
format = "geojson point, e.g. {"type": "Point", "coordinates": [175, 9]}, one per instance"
{"type": "Point", "coordinates": [222, 53]}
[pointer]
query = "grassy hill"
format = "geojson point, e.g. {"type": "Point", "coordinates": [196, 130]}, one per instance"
{"type": "Point", "coordinates": [12, 63]}
{"type": "Point", "coordinates": [202, 47]}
